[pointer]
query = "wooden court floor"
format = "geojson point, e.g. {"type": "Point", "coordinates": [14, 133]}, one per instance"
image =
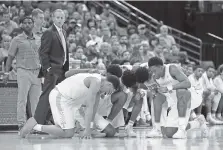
{"type": "Point", "coordinates": [11, 141]}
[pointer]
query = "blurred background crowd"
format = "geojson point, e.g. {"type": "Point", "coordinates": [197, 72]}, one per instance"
{"type": "Point", "coordinates": [94, 37]}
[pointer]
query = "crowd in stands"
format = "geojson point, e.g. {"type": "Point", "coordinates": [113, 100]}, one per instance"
{"type": "Point", "coordinates": [95, 39]}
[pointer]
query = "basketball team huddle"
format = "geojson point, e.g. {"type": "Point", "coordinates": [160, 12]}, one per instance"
{"type": "Point", "coordinates": [90, 104]}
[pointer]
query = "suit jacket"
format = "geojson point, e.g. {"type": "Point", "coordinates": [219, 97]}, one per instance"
{"type": "Point", "coordinates": [51, 52]}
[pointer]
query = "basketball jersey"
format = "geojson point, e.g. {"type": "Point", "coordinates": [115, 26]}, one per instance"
{"type": "Point", "coordinates": [196, 84]}
{"type": "Point", "coordinates": [166, 81]}
{"type": "Point", "coordinates": [73, 88]}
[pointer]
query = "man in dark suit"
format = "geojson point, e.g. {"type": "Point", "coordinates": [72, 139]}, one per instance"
{"type": "Point", "coordinates": [54, 60]}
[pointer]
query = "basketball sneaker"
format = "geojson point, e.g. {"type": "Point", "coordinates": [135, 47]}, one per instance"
{"type": "Point", "coordinates": [213, 121]}
{"type": "Point", "coordinates": [180, 134]}
{"type": "Point", "coordinates": [203, 126]}
{"type": "Point", "coordinates": [154, 133]}
{"type": "Point", "coordinates": [129, 131]}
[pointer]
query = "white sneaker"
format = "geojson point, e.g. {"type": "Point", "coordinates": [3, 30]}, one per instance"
{"type": "Point", "coordinates": [148, 117]}
{"type": "Point", "coordinates": [203, 126]}
{"type": "Point", "coordinates": [154, 133]}
{"type": "Point", "coordinates": [129, 131]}
{"type": "Point", "coordinates": [180, 134]}
{"type": "Point", "coordinates": [213, 121]}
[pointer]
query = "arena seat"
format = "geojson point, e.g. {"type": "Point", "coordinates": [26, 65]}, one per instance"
{"type": "Point", "coordinates": [128, 14]}
{"type": "Point", "coordinates": [8, 103]}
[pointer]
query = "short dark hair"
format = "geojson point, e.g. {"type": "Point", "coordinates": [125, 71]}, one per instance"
{"type": "Point", "coordinates": [36, 11]}
{"type": "Point", "coordinates": [125, 61]}
{"type": "Point", "coordinates": [142, 74]}
{"type": "Point", "coordinates": [155, 61]}
{"type": "Point", "coordinates": [26, 17]}
{"type": "Point", "coordinates": [116, 61]}
{"type": "Point", "coordinates": [153, 39]}
{"type": "Point", "coordinates": [114, 80]}
{"type": "Point", "coordinates": [90, 20]}
{"type": "Point", "coordinates": [115, 70]}
{"type": "Point", "coordinates": [220, 68]}
{"type": "Point", "coordinates": [124, 53]}
{"type": "Point", "coordinates": [134, 60]}
{"type": "Point", "coordinates": [210, 66]}
{"type": "Point", "coordinates": [128, 78]}
{"type": "Point", "coordinates": [196, 67]}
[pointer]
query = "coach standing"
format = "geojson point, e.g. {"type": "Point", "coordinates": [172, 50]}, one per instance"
{"type": "Point", "coordinates": [54, 62]}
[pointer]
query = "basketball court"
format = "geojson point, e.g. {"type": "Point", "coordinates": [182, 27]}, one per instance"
{"type": "Point", "coordinates": [11, 141]}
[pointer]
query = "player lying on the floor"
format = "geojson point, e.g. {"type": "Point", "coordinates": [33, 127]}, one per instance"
{"type": "Point", "coordinates": [68, 97]}
{"type": "Point", "coordinates": [172, 100]}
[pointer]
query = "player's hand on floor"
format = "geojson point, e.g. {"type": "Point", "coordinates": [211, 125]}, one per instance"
{"type": "Point", "coordinates": [86, 135]}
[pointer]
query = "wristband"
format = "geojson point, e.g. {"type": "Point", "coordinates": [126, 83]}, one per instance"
{"type": "Point", "coordinates": [92, 125]}
{"type": "Point", "coordinates": [48, 69]}
{"type": "Point", "coordinates": [170, 88]}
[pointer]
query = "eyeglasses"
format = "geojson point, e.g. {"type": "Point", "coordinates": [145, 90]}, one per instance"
{"type": "Point", "coordinates": [143, 28]}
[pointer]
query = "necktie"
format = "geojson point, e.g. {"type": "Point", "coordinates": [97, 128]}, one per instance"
{"type": "Point", "coordinates": [63, 42]}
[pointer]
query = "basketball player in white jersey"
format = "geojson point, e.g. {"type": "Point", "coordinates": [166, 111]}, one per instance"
{"type": "Point", "coordinates": [110, 106]}
{"type": "Point", "coordinates": [173, 89]}
{"type": "Point", "coordinates": [211, 95]}
{"type": "Point", "coordinates": [67, 97]}
{"type": "Point", "coordinates": [118, 98]}
{"type": "Point", "coordinates": [168, 122]}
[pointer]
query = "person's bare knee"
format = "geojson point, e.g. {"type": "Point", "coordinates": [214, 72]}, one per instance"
{"type": "Point", "coordinates": [159, 99]}
{"type": "Point", "coordinates": [183, 97]}
{"type": "Point", "coordinates": [158, 102]}
{"type": "Point", "coordinates": [109, 131]}
{"type": "Point", "coordinates": [68, 133]}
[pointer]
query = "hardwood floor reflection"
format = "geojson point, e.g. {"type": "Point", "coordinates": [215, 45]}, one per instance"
{"type": "Point", "coordinates": [11, 141]}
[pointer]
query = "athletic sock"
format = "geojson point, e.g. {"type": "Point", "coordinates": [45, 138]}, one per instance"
{"type": "Point", "coordinates": [219, 115]}
{"type": "Point", "coordinates": [157, 125]}
{"type": "Point", "coordinates": [38, 127]}
{"type": "Point", "coordinates": [209, 115]}
{"type": "Point", "coordinates": [130, 123]}
{"type": "Point", "coordinates": [182, 123]}
{"type": "Point", "coordinates": [138, 118]}
{"type": "Point", "coordinates": [193, 115]}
